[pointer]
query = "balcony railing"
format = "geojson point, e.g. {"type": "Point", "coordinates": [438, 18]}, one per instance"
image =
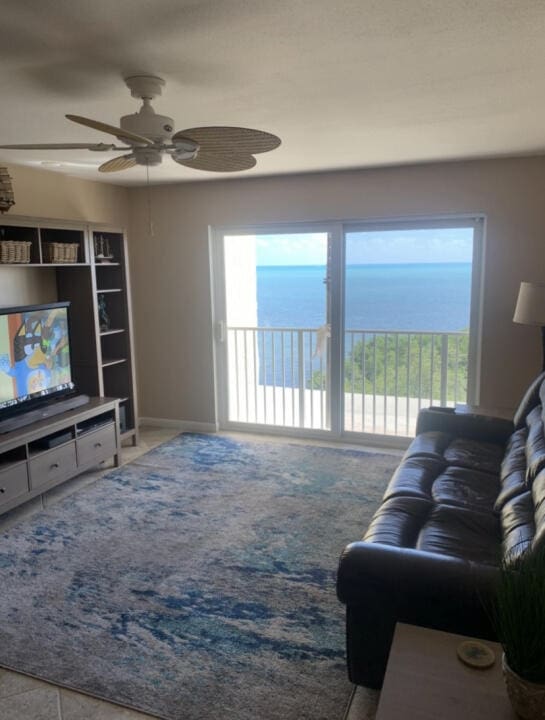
{"type": "Point", "coordinates": [279, 376]}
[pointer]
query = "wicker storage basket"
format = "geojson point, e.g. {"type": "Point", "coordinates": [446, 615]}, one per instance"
{"type": "Point", "coordinates": [15, 251]}
{"type": "Point", "coordinates": [56, 252]}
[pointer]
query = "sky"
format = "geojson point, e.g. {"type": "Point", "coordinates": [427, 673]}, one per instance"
{"type": "Point", "coordinates": [444, 245]}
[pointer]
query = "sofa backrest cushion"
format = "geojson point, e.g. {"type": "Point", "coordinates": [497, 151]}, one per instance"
{"type": "Point", "coordinates": [538, 497]}
{"type": "Point", "coordinates": [530, 400]}
{"type": "Point", "coordinates": [535, 444]}
{"type": "Point", "coordinates": [513, 468]}
{"type": "Point", "coordinates": [523, 519]}
{"type": "Point", "coordinates": [518, 525]}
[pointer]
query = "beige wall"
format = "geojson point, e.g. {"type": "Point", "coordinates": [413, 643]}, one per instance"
{"type": "Point", "coordinates": [46, 194]}
{"type": "Point", "coordinates": [170, 271]}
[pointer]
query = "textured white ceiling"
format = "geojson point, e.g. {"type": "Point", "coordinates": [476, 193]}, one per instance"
{"type": "Point", "coordinates": [355, 83]}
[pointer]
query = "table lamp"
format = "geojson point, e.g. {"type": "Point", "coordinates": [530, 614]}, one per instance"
{"type": "Point", "coordinates": [530, 309]}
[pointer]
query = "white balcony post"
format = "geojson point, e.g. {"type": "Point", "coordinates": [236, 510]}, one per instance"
{"type": "Point", "coordinates": [301, 376]}
{"type": "Point", "coordinates": [444, 368]}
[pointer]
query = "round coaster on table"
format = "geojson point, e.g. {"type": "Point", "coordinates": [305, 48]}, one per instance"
{"type": "Point", "coordinates": [475, 654]}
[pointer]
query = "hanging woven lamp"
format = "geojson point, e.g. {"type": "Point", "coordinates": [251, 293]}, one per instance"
{"type": "Point", "coordinates": [6, 190]}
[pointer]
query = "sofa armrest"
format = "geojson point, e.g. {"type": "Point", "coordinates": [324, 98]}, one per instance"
{"type": "Point", "coordinates": [406, 573]}
{"type": "Point", "coordinates": [484, 428]}
{"type": "Point", "coordinates": [383, 584]}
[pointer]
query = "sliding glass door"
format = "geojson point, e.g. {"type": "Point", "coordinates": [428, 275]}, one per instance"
{"type": "Point", "coordinates": [407, 323]}
{"type": "Point", "coordinates": [345, 329]}
{"type": "Point", "coordinates": [275, 330]}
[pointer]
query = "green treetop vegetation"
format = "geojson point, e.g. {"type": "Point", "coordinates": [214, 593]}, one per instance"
{"type": "Point", "coordinates": [370, 366]}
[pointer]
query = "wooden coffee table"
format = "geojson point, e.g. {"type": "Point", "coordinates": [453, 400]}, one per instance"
{"type": "Point", "coordinates": [426, 681]}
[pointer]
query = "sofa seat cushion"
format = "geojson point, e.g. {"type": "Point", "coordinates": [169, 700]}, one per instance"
{"type": "Point", "coordinates": [462, 533]}
{"type": "Point", "coordinates": [471, 489]}
{"type": "Point", "coordinates": [431, 479]}
{"type": "Point", "coordinates": [398, 521]}
{"type": "Point", "coordinates": [414, 477]}
{"type": "Point", "coordinates": [410, 522]}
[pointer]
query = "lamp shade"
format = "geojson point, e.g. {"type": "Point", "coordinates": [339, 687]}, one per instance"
{"type": "Point", "coordinates": [530, 309]}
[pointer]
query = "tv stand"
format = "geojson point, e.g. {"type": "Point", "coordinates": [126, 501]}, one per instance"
{"type": "Point", "coordinates": [42, 413]}
{"type": "Point", "coordinates": [49, 452]}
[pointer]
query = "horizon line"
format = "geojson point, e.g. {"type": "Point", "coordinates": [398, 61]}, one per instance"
{"type": "Point", "coordinates": [369, 264]}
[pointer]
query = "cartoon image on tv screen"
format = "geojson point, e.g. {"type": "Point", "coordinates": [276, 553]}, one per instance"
{"type": "Point", "coordinates": [34, 354]}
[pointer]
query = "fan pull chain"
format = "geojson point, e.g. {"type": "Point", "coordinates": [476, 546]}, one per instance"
{"type": "Point", "coordinates": [150, 219]}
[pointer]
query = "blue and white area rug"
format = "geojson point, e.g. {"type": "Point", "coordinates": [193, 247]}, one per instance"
{"type": "Point", "coordinates": [197, 583]}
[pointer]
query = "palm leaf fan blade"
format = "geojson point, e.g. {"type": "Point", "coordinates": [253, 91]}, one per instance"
{"type": "Point", "coordinates": [215, 162]}
{"type": "Point", "coordinates": [230, 140]}
{"type": "Point", "coordinates": [110, 129]}
{"type": "Point", "coordinates": [59, 146]}
{"type": "Point", "coordinates": [123, 162]}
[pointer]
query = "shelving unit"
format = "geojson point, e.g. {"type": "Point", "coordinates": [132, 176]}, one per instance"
{"type": "Point", "coordinates": [115, 331]}
{"type": "Point", "coordinates": [40, 238]}
{"type": "Point", "coordinates": [112, 361]}
{"type": "Point", "coordinates": [102, 356]}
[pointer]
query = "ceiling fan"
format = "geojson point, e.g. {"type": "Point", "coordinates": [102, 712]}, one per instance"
{"type": "Point", "coordinates": [148, 136]}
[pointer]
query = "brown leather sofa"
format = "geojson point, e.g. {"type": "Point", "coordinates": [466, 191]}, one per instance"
{"type": "Point", "coordinates": [469, 489]}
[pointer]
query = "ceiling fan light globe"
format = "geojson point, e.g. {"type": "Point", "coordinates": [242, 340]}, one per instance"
{"type": "Point", "coordinates": [148, 156]}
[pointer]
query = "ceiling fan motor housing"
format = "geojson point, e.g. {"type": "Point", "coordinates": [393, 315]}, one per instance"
{"type": "Point", "coordinates": [158, 128]}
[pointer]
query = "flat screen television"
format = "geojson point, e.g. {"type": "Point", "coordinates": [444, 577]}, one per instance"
{"type": "Point", "coordinates": [35, 362]}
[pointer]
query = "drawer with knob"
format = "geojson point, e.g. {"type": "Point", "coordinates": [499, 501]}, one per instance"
{"type": "Point", "coordinates": [96, 446]}
{"type": "Point", "coordinates": [13, 482]}
{"type": "Point", "coordinates": [53, 466]}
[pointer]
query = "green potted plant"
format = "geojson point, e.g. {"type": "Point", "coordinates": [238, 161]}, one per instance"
{"type": "Point", "coordinates": [519, 618]}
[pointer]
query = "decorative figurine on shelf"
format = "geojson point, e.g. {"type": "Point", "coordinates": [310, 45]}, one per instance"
{"type": "Point", "coordinates": [103, 317]}
{"type": "Point", "coordinates": [6, 190]}
{"type": "Point", "coordinates": [103, 252]}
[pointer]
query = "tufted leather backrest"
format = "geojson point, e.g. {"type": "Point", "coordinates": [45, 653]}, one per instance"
{"type": "Point", "coordinates": [521, 501]}
{"type": "Point", "coordinates": [529, 401]}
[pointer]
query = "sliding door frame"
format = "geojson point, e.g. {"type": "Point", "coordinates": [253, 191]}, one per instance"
{"type": "Point", "coordinates": [337, 231]}
{"type": "Point", "coordinates": [219, 307]}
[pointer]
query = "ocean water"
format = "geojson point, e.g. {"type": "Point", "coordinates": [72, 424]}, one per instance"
{"type": "Point", "coordinates": [426, 296]}
{"type": "Point", "coordinates": [417, 297]}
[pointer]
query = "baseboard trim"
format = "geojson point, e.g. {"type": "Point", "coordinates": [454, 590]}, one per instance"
{"type": "Point", "coordinates": [182, 425]}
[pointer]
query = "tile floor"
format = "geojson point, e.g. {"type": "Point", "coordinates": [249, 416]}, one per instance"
{"type": "Point", "coordinates": [25, 698]}
{"type": "Point", "coordinates": [363, 705]}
